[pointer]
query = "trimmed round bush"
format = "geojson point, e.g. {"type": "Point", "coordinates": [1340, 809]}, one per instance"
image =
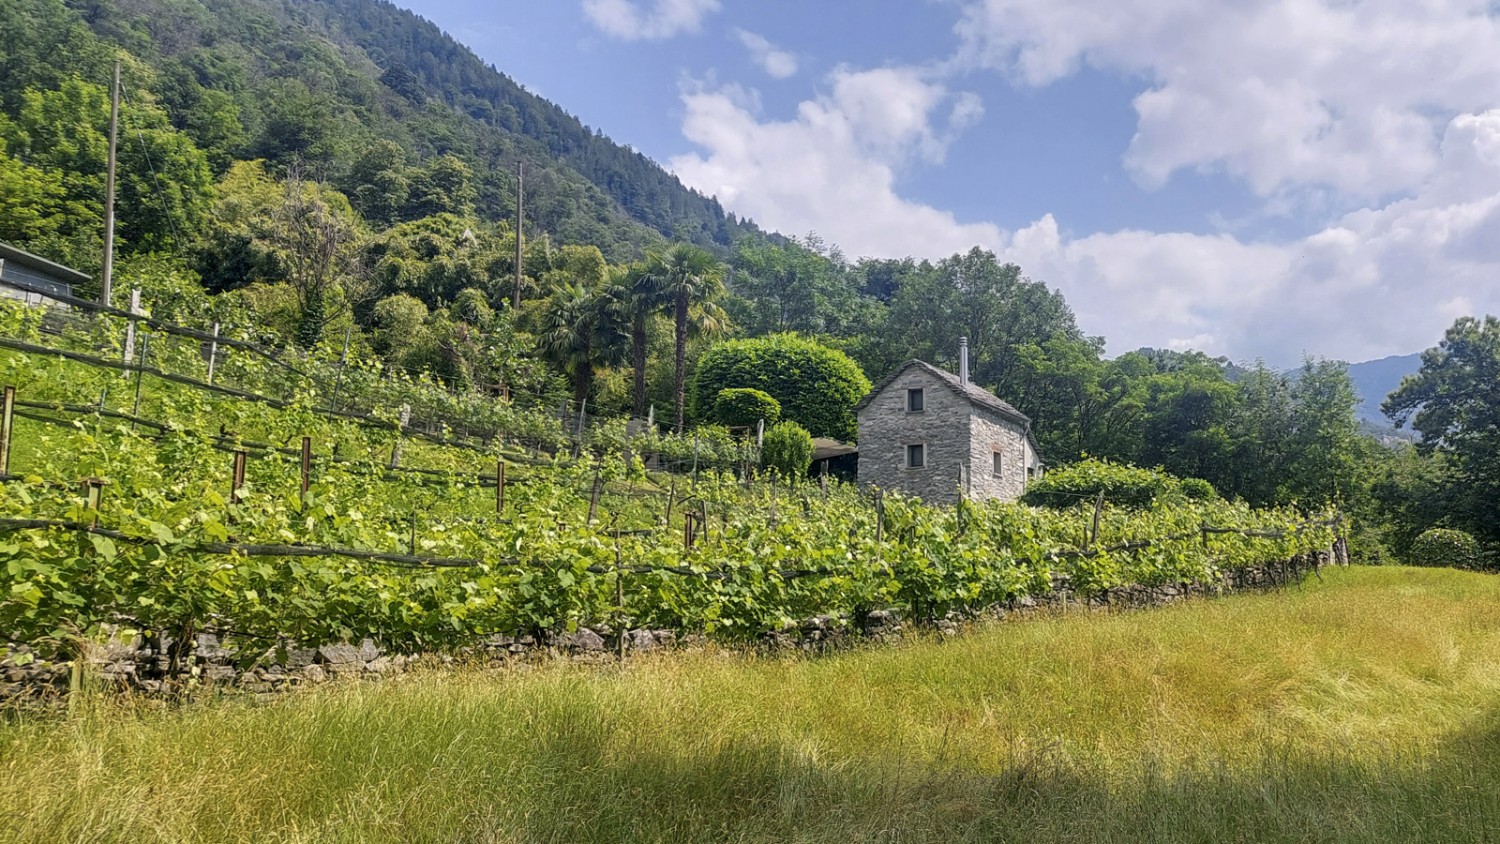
{"type": "Point", "coordinates": [1122, 485]}
{"type": "Point", "coordinates": [745, 406]}
{"type": "Point", "coordinates": [1445, 547]}
{"type": "Point", "coordinates": [1197, 489]}
{"type": "Point", "coordinates": [817, 387]}
{"type": "Point", "coordinates": [787, 450]}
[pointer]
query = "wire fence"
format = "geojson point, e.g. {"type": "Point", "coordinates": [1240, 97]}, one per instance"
{"type": "Point", "coordinates": [374, 399]}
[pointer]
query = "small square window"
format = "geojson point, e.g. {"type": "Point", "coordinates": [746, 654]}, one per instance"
{"type": "Point", "coordinates": [999, 464]}
{"type": "Point", "coordinates": [916, 456]}
{"type": "Point", "coordinates": [914, 401]}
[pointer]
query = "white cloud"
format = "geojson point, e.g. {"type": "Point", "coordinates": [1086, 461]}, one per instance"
{"type": "Point", "coordinates": [1377, 281]}
{"type": "Point", "coordinates": [778, 63]}
{"type": "Point", "coordinates": [1382, 117]}
{"type": "Point", "coordinates": [833, 167]}
{"type": "Point", "coordinates": [1281, 93]}
{"type": "Point", "coordinates": [626, 19]}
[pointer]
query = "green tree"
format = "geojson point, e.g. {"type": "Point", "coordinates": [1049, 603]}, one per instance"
{"type": "Point", "coordinates": [690, 276]}
{"type": "Point", "coordinates": [1454, 403]}
{"type": "Point", "coordinates": [787, 450]}
{"type": "Point", "coordinates": [816, 386]}
{"type": "Point", "coordinates": [738, 407]}
{"type": "Point", "coordinates": [61, 137]}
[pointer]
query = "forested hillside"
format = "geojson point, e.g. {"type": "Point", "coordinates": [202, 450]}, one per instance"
{"type": "Point", "coordinates": [362, 94]}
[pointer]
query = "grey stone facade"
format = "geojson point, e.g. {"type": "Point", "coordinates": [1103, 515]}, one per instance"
{"type": "Point", "coordinates": [961, 429]}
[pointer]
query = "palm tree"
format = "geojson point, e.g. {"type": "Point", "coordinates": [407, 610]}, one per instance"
{"type": "Point", "coordinates": [688, 276]}
{"type": "Point", "coordinates": [579, 331]}
{"type": "Point", "coordinates": [644, 297]}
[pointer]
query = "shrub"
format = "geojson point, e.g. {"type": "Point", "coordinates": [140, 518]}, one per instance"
{"type": "Point", "coordinates": [1128, 486]}
{"type": "Point", "coordinates": [788, 450]}
{"type": "Point", "coordinates": [1197, 489]}
{"type": "Point", "coordinates": [1444, 547]}
{"type": "Point", "coordinates": [739, 406]}
{"type": "Point", "coordinates": [817, 387]}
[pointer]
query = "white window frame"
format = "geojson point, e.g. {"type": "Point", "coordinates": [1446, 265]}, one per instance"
{"type": "Point", "coordinates": [906, 455]}
{"type": "Point", "coordinates": [997, 463]}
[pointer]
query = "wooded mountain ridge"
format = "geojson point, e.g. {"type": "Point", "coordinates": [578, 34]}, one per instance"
{"type": "Point", "coordinates": [324, 82]}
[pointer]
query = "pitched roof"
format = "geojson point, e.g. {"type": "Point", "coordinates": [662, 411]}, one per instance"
{"type": "Point", "coordinates": [976, 395]}
{"type": "Point", "coordinates": [36, 262]}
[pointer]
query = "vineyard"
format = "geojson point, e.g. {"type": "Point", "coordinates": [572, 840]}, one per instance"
{"type": "Point", "coordinates": [180, 479]}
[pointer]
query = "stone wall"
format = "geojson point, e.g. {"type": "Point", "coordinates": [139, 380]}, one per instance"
{"type": "Point", "coordinates": [140, 666]}
{"type": "Point", "coordinates": [886, 428]}
{"type": "Point", "coordinates": [960, 437]}
{"type": "Point", "coordinates": [987, 435]}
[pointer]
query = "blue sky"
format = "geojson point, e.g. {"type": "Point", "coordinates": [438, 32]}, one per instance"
{"type": "Point", "coordinates": [1256, 178]}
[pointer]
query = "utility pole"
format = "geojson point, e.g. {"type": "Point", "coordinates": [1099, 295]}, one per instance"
{"type": "Point", "coordinates": [109, 192]}
{"type": "Point", "coordinates": [515, 296]}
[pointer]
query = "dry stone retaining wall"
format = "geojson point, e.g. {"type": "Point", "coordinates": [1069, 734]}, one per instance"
{"type": "Point", "coordinates": [145, 665]}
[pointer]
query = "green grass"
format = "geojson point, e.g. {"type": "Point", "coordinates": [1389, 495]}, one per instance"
{"type": "Point", "coordinates": [1364, 708]}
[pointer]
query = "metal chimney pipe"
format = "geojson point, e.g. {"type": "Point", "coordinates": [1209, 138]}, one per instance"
{"type": "Point", "coordinates": [963, 361]}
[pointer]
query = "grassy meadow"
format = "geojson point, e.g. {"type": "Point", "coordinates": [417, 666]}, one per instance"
{"type": "Point", "coordinates": [1365, 707]}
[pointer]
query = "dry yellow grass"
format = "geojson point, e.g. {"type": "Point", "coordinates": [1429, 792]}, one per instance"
{"type": "Point", "coordinates": [1363, 708]}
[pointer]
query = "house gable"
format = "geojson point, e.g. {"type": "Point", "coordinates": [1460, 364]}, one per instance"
{"type": "Point", "coordinates": [960, 428]}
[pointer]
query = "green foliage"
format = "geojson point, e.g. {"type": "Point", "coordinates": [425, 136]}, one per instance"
{"type": "Point", "coordinates": [1454, 402]}
{"type": "Point", "coordinates": [1445, 547]}
{"type": "Point", "coordinates": [787, 450]}
{"type": "Point", "coordinates": [745, 406]}
{"type": "Point", "coordinates": [1127, 486]}
{"type": "Point", "coordinates": [817, 387]}
{"type": "Point", "coordinates": [544, 566]}
{"type": "Point", "coordinates": [1197, 489]}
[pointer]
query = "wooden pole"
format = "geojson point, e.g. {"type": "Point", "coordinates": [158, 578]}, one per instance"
{"type": "Point", "coordinates": [879, 516]}
{"type": "Point", "coordinates": [93, 497]}
{"type": "Point", "coordinates": [140, 373]}
{"type": "Point", "coordinates": [500, 487]}
{"type": "Point", "coordinates": [671, 498]}
{"type": "Point", "coordinates": [306, 468]}
{"type": "Point", "coordinates": [213, 353]}
{"type": "Point", "coordinates": [106, 278]}
{"type": "Point", "coordinates": [515, 296]}
{"type": "Point", "coordinates": [594, 495]}
{"type": "Point", "coordinates": [695, 459]}
{"type": "Point", "coordinates": [7, 417]}
{"type": "Point", "coordinates": [237, 478]}
{"type": "Point", "coordinates": [338, 379]}
{"type": "Point", "coordinates": [620, 593]}
{"type": "Point", "coordinates": [1098, 507]}
{"type": "Point", "coordinates": [400, 431]}
{"type": "Point", "coordinates": [135, 308]}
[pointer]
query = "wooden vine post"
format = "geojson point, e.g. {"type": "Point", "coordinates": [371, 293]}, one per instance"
{"type": "Point", "coordinates": [619, 593]}
{"type": "Point", "coordinates": [140, 373]}
{"type": "Point", "coordinates": [237, 479]}
{"type": "Point", "coordinates": [7, 419]}
{"type": "Point", "coordinates": [400, 432]}
{"type": "Point", "coordinates": [500, 486]}
{"type": "Point", "coordinates": [213, 353]}
{"type": "Point", "coordinates": [1098, 508]}
{"type": "Point", "coordinates": [594, 493]}
{"type": "Point", "coordinates": [306, 467]}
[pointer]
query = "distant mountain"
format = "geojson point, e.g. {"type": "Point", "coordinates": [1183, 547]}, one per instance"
{"type": "Point", "coordinates": [1376, 379]}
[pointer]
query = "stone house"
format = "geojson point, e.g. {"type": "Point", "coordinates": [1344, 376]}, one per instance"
{"type": "Point", "coordinates": [34, 279]}
{"type": "Point", "coordinates": [927, 432]}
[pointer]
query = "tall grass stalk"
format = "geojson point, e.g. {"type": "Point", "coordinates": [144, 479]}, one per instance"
{"type": "Point", "coordinates": [1364, 709]}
